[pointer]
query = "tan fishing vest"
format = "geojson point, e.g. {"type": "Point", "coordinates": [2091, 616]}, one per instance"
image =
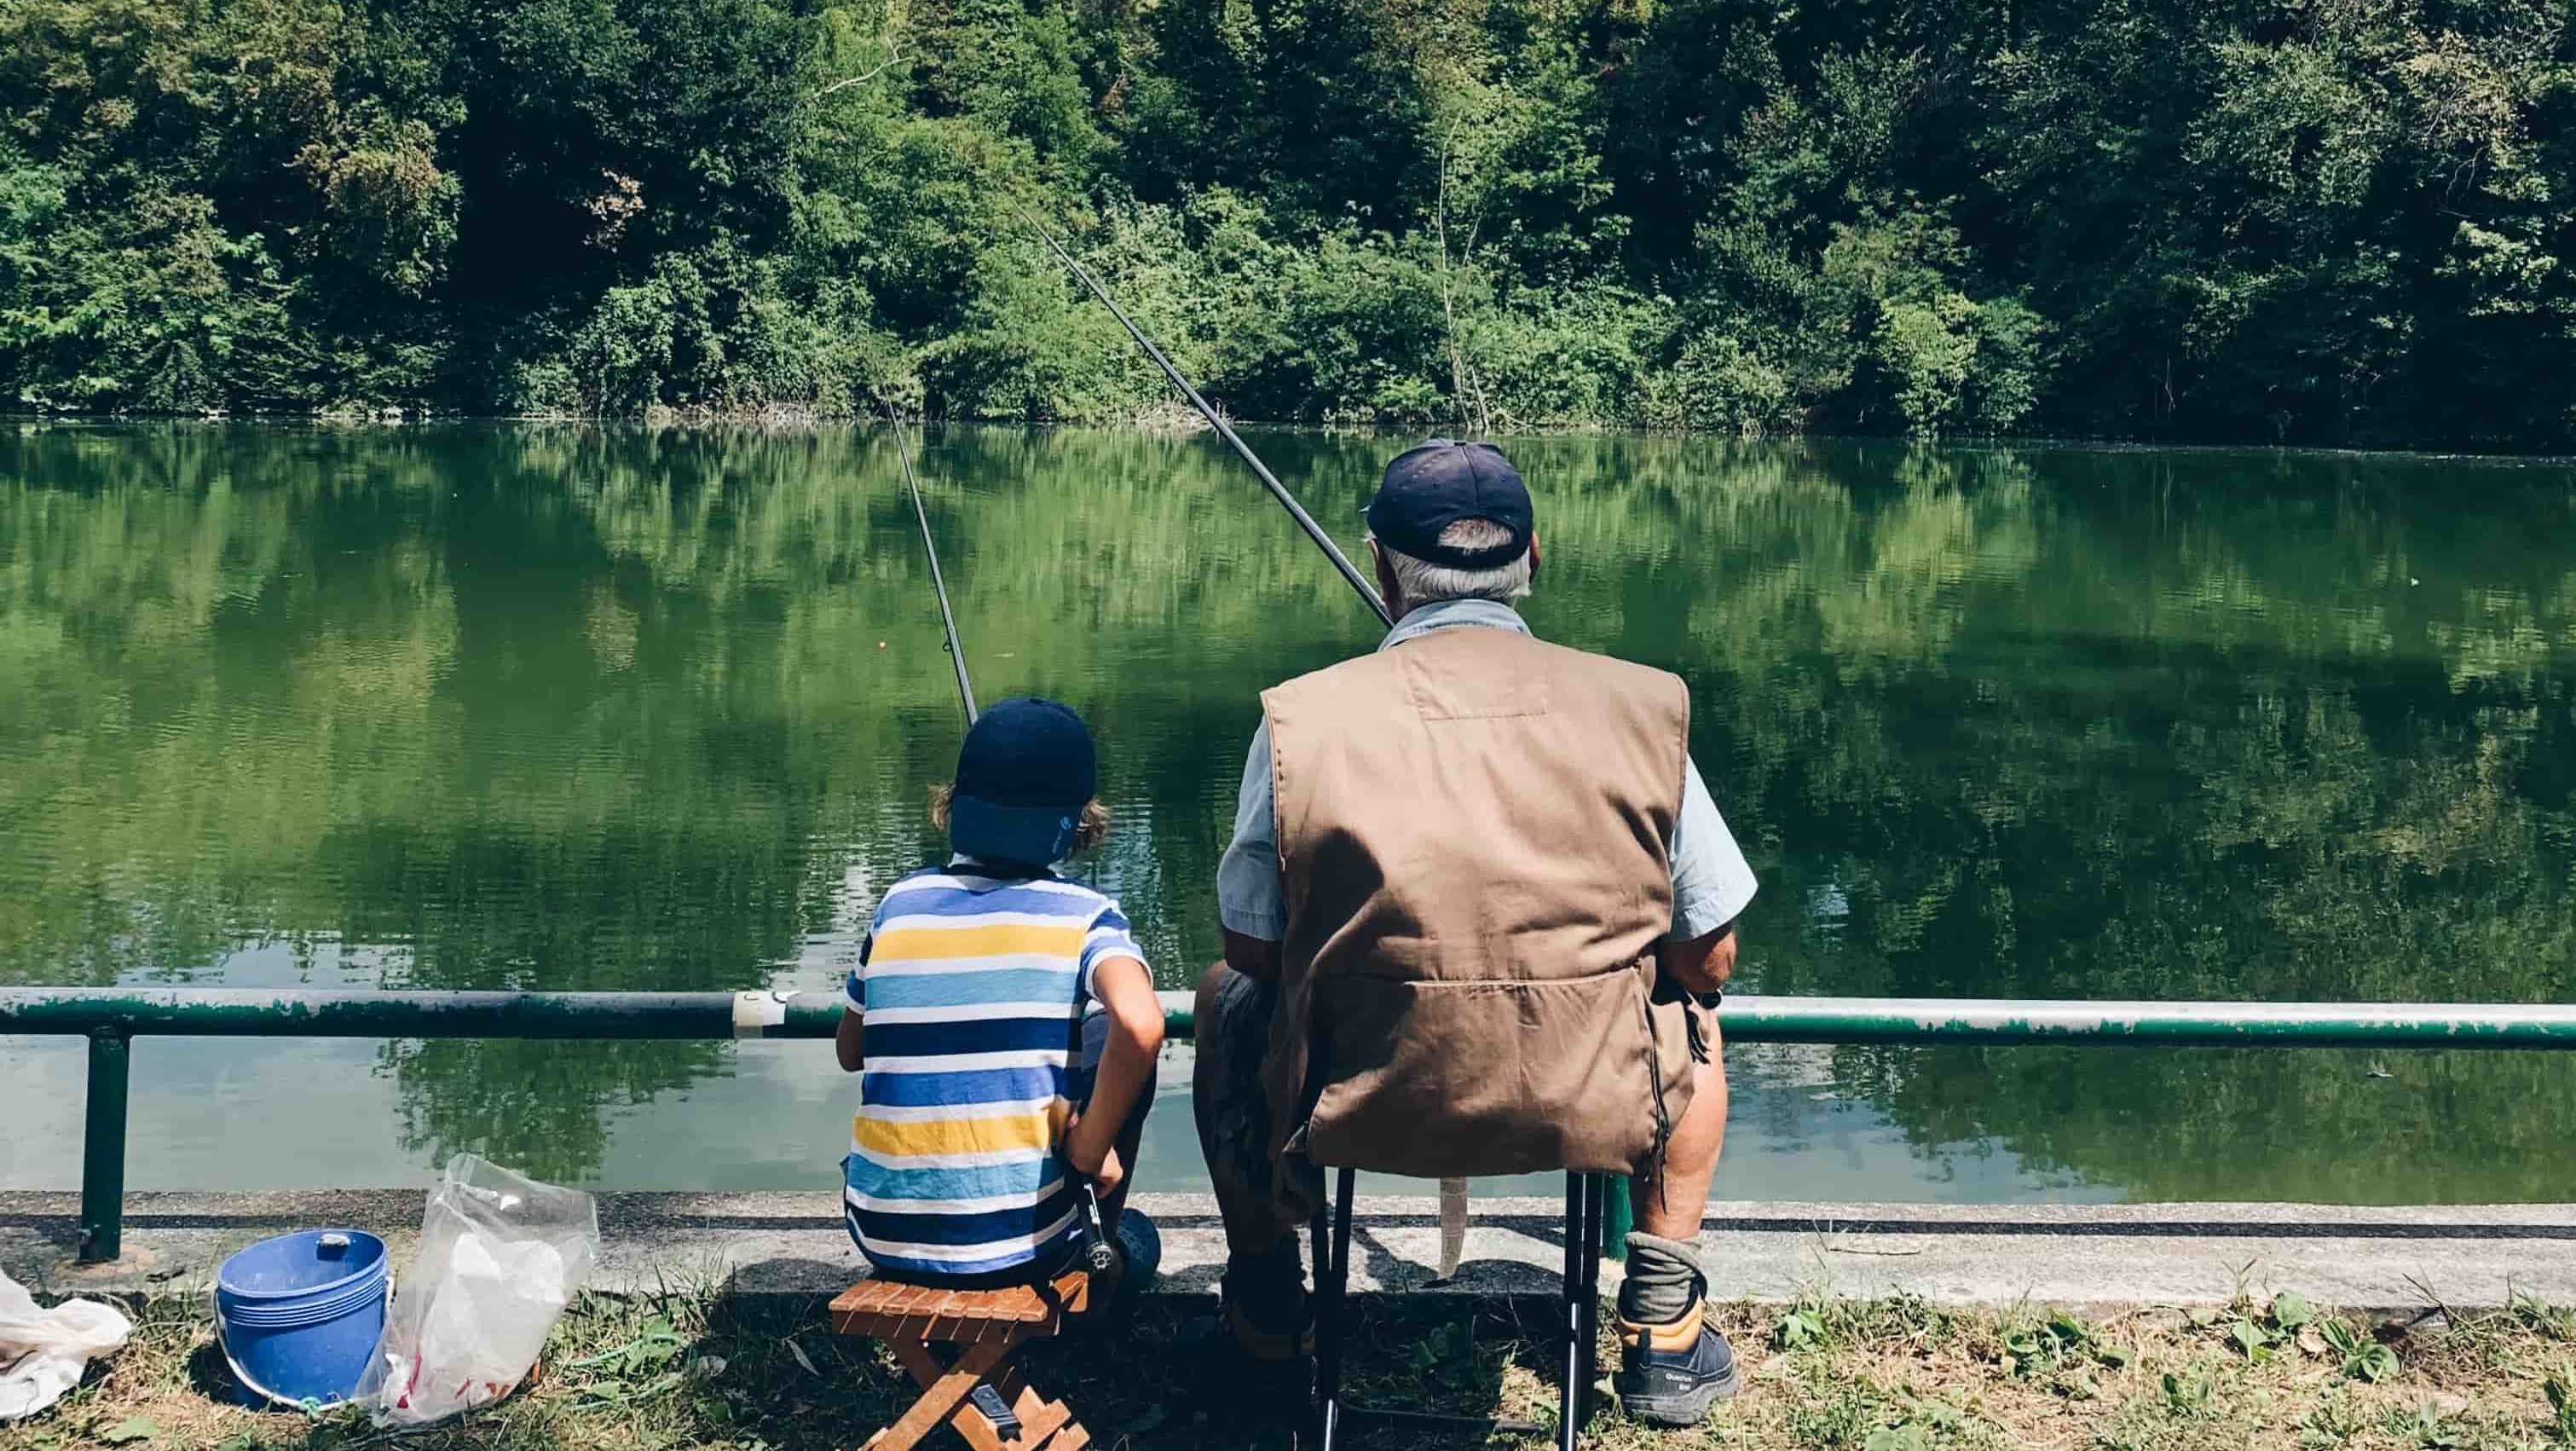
{"type": "Point", "coordinates": [1473, 833]}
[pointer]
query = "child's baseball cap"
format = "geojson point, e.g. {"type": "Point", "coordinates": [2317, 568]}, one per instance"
{"type": "Point", "coordinates": [1025, 773]}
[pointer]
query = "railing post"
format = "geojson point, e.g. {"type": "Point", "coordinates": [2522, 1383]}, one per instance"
{"type": "Point", "coordinates": [1621, 1217]}
{"type": "Point", "coordinates": [103, 1149]}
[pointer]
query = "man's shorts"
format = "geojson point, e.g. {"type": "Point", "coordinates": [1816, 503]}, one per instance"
{"type": "Point", "coordinates": [1234, 1111]}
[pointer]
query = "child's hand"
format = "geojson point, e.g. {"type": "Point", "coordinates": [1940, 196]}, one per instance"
{"type": "Point", "coordinates": [1106, 1179]}
{"type": "Point", "coordinates": [1094, 1157]}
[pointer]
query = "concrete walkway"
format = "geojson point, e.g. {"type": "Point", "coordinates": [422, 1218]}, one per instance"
{"type": "Point", "coordinates": [2073, 1256]}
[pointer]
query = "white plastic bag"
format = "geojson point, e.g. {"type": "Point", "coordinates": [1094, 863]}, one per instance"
{"type": "Point", "coordinates": [42, 1352]}
{"type": "Point", "coordinates": [500, 1257]}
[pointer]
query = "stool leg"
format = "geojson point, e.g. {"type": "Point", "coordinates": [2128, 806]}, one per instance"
{"type": "Point", "coordinates": [941, 1394]}
{"type": "Point", "coordinates": [1569, 1414]}
{"type": "Point", "coordinates": [1040, 1418]}
{"type": "Point", "coordinates": [1595, 1227]}
{"type": "Point", "coordinates": [1332, 1315]}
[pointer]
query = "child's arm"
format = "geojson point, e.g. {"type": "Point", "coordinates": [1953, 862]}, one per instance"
{"type": "Point", "coordinates": [1126, 1069]}
{"type": "Point", "coordinates": [848, 1041]}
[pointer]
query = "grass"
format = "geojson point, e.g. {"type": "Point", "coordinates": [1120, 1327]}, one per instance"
{"type": "Point", "coordinates": [644, 1373]}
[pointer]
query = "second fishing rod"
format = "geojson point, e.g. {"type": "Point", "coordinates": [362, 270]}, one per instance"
{"type": "Point", "coordinates": [1341, 562]}
{"type": "Point", "coordinates": [1453, 1192]}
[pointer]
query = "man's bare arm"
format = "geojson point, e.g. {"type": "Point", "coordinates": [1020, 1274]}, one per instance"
{"type": "Point", "coordinates": [849, 1042]}
{"type": "Point", "coordinates": [1701, 965]}
{"type": "Point", "coordinates": [1251, 956]}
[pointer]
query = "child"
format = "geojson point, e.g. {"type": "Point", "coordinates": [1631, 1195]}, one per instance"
{"type": "Point", "coordinates": [1003, 1023]}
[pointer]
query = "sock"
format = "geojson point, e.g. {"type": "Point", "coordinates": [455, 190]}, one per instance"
{"type": "Point", "coordinates": [1268, 1288]}
{"type": "Point", "coordinates": [1663, 1281]}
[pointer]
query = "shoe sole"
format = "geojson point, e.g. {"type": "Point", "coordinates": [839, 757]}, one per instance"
{"type": "Point", "coordinates": [1680, 1412]}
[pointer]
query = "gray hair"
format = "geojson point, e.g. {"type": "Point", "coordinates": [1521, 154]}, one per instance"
{"type": "Point", "coordinates": [1424, 583]}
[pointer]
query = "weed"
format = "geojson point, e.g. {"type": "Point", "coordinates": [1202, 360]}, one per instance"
{"type": "Point", "coordinates": [2189, 1392]}
{"type": "Point", "coordinates": [2559, 1386]}
{"type": "Point", "coordinates": [2558, 1322]}
{"type": "Point", "coordinates": [1802, 1329]}
{"type": "Point", "coordinates": [2332, 1421]}
{"type": "Point", "coordinates": [1916, 1321]}
{"type": "Point", "coordinates": [2249, 1336]}
{"type": "Point", "coordinates": [2424, 1427]}
{"type": "Point", "coordinates": [2059, 1342]}
{"type": "Point", "coordinates": [1846, 1418]}
{"type": "Point", "coordinates": [2363, 1358]}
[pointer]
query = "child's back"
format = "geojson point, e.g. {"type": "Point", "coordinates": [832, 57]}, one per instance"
{"type": "Point", "coordinates": [973, 993]}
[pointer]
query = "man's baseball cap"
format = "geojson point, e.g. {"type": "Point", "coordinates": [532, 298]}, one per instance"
{"type": "Point", "coordinates": [1025, 773]}
{"type": "Point", "coordinates": [1427, 489]}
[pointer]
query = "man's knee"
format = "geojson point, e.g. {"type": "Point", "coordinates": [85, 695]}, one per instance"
{"type": "Point", "coordinates": [1211, 983]}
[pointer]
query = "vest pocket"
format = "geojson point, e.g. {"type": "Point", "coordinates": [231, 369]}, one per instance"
{"type": "Point", "coordinates": [1450, 1078]}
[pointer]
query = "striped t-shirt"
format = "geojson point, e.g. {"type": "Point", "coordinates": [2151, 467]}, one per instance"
{"type": "Point", "coordinates": [972, 989]}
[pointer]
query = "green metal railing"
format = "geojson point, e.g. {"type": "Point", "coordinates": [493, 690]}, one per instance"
{"type": "Point", "coordinates": [110, 1018]}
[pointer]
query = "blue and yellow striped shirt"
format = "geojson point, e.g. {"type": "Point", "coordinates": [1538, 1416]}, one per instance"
{"type": "Point", "coordinates": [972, 990]}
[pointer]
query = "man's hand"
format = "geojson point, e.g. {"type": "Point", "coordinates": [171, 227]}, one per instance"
{"type": "Point", "coordinates": [1701, 965]}
{"type": "Point", "coordinates": [1094, 1156]}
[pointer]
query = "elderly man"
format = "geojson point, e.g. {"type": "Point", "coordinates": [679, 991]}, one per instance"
{"type": "Point", "coordinates": [1476, 896]}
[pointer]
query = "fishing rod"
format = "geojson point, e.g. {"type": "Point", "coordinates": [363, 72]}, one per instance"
{"type": "Point", "coordinates": [1096, 1254]}
{"type": "Point", "coordinates": [947, 617]}
{"type": "Point", "coordinates": [1453, 1192]}
{"type": "Point", "coordinates": [1279, 491]}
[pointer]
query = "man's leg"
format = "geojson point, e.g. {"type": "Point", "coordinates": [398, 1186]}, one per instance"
{"type": "Point", "coordinates": [1674, 1366]}
{"type": "Point", "coordinates": [1671, 1201]}
{"type": "Point", "coordinates": [1264, 1282]}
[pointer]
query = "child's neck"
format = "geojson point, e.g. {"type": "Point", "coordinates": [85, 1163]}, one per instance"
{"type": "Point", "coordinates": [994, 867]}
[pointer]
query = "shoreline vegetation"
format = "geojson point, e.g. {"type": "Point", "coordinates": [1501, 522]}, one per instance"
{"type": "Point", "coordinates": [695, 1367]}
{"type": "Point", "coordinates": [2187, 221]}
{"type": "Point", "coordinates": [1180, 421]}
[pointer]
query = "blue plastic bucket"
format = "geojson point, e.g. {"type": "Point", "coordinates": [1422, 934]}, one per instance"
{"type": "Point", "coordinates": [301, 1314]}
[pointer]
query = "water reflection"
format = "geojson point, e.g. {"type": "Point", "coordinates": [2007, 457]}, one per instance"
{"type": "Point", "coordinates": [572, 708]}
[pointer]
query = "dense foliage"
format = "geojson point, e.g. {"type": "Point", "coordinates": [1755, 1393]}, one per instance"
{"type": "Point", "coordinates": [2302, 220]}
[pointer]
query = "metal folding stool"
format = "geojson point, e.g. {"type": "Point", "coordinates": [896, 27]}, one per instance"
{"type": "Point", "coordinates": [1586, 1208]}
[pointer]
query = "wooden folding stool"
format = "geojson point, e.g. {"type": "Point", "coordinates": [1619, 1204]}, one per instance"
{"type": "Point", "coordinates": [982, 1330]}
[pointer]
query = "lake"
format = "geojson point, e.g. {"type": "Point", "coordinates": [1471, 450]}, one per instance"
{"type": "Point", "coordinates": [490, 706]}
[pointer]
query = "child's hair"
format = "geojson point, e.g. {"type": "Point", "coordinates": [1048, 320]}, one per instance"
{"type": "Point", "coordinates": [1089, 830]}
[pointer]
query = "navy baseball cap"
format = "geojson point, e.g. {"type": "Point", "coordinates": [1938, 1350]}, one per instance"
{"type": "Point", "coordinates": [1427, 489]}
{"type": "Point", "coordinates": [1025, 773]}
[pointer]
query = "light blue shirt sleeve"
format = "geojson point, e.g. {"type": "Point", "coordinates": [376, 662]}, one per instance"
{"type": "Point", "coordinates": [1712, 883]}
{"type": "Point", "coordinates": [1109, 936]}
{"type": "Point", "coordinates": [1249, 897]}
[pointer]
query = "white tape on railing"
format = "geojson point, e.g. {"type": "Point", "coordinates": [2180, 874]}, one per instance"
{"type": "Point", "coordinates": [754, 1014]}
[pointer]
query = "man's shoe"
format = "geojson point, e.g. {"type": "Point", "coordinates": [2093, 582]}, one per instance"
{"type": "Point", "coordinates": [1669, 1375]}
{"type": "Point", "coordinates": [1262, 1375]}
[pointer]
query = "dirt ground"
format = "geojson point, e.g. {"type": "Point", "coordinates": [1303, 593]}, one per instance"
{"type": "Point", "coordinates": [644, 1373]}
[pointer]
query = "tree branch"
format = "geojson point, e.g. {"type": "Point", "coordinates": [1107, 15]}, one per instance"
{"type": "Point", "coordinates": [893, 58]}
